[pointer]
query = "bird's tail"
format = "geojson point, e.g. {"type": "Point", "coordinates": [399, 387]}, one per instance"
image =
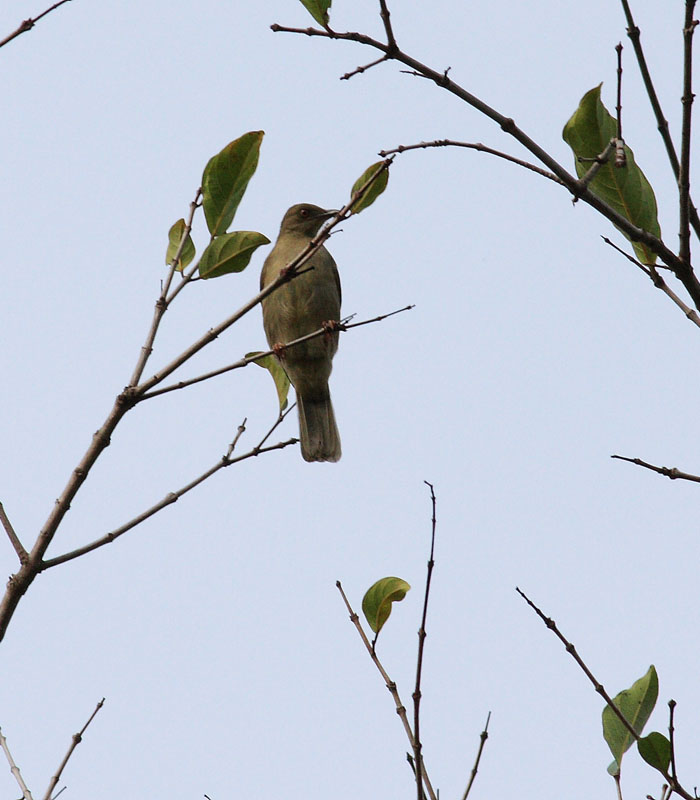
{"type": "Point", "coordinates": [320, 440]}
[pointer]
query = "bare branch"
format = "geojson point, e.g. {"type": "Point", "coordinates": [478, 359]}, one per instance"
{"type": "Point", "coordinates": [243, 362]}
{"type": "Point", "coordinates": [681, 269]}
{"type": "Point", "coordinates": [598, 686]}
{"type": "Point", "coordinates": [77, 738]}
{"type": "Point", "coordinates": [28, 24]}
{"type": "Point", "coordinates": [14, 539]}
{"type": "Point", "coordinates": [21, 580]}
{"type": "Point", "coordinates": [618, 107]}
{"type": "Point", "coordinates": [402, 148]}
{"type": "Point", "coordinates": [417, 744]}
{"type": "Point", "coordinates": [390, 685]}
{"type": "Point", "coordinates": [659, 282]}
{"type": "Point", "coordinates": [386, 19]}
{"type": "Point", "coordinates": [687, 101]}
{"type": "Point", "coordinates": [482, 741]}
{"type": "Point", "coordinates": [14, 769]}
{"type": "Point", "coordinates": [620, 156]}
{"type": "Point", "coordinates": [360, 70]}
{"type": "Point", "coordinates": [669, 472]}
{"type": "Point", "coordinates": [662, 123]}
{"type": "Point", "coordinates": [671, 736]}
{"type": "Point", "coordinates": [173, 497]}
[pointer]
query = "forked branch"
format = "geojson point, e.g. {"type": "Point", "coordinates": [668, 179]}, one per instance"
{"type": "Point", "coordinates": [578, 189]}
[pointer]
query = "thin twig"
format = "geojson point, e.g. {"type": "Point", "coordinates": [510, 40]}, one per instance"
{"type": "Point", "coordinates": [172, 497]}
{"type": "Point", "coordinates": [75, 741]}
{"type": "Point", "coordinates": [687, 101]}
{"type": "Point", "coordinates": [680, 268]}
{"type": "Point", "coordinates": [417, 744]}
{"type": "Point", "coordinates": [186, 276]}
{"type": "Point", "coordinates": [243, 362]}
{"type": "Point", "coordinates": [482, 148]}
{"type": "Point", "coordinates": [598, 686]}
{"type": "Point", "coordinates": [14, 769]}
{"type": "Point", "coordinates": [620, 157]}
{"type": "Point", "coordinates": [669, 472]}
{"type": "Point", "coordinates": [363, 68]}
{"type": "Point", "coordinates": [661, 122]}
{"type": "Point", "coordinates": [571, 650]}
{"type": "Point", "coordinates": [482, 741]}
{"type": "Point", "coordinates": [390, 685]}
{"type": "Point", "coordinates": [671, 737]}
{"type": "Point", "coordinates": [28, 24]}
{"type": "Point", "coordinates": [22, 554]}
{"type": "Point", "coordinates": [618, 107]}
{"type": "Point", "coordinates": [163, 302]}
{"type": "Point", "coordinates": [659, 282]}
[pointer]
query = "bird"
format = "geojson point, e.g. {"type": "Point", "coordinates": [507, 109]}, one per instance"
{"type": "Point", "coordinates": [301, 306]}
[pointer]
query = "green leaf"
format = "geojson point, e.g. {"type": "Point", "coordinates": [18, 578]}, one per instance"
{"type": "Point", "coordinates": [279, 376]}
{"type": "Point", "coordinates": [614, 769]}
{"type": "Point", "coordinates": [655, 749]}
{"type": "Point", "coordinates": [625, 189]}
{"type": "Point", "coordinates": [636, 705]}
{"type": "Point", "coordinates": [225, 180]}
{"type": "Point", "coordinates": [376, 604]}
{"type": "Point", "coordinates": [318, 10]}
{"type": "Point", "coordinates": [374, 190]}
{"type": "Point", "coordinates": [174, 238]}
{"type": "Point", "coordinates": [230, 253]}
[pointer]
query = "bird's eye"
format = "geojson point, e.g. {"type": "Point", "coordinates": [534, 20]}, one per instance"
{"type": "Point", "coordinates": [304, 212]}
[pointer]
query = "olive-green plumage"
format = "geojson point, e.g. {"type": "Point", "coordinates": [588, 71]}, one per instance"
{"type": "Point", "coordinates": [300, 307]}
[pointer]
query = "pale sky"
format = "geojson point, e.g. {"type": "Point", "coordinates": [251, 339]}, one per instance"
{"type": "Point", "coordinates": [215, 630]}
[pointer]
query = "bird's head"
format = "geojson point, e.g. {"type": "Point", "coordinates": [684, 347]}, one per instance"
{"type": "Point", "coordinates": [305, 218]}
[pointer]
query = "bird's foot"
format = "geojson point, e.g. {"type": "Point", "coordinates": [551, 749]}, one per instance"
{"type": "Point", "coordinates": [331, 326]}
{"type": "Point", "coordinates": [279, 349]}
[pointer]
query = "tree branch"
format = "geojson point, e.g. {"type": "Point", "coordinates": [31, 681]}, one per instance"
{"type": "Point", "coordinates": [390, 685]}
{"type": "Point", "coordinates": [28, 24]}
{"type": "Point", "coordinates": [681, 269]}
{"type": "Point", "coordinates": [417, 744]}
{"type": "Point", "coordinates": [173, 497]}
{"type": "Point", "coordinates": [22, 580]}
{"type": "Point", "coordinates": [386, 19]}
{"type": "Point", "coordinates": [163, 302]}
{"type": "Point", "coordinates": [243, 362]}
{"type": "Point", "coordinates": [620, 157]}
{"type": "Point", "coordinates": [363, 68]}
{"type": "Point", "coordinates": [659, 282]}
{"type": "Point", "coordinates": [687, 101]}
{"type": "Point", "coordinates": [662, 123]}
{"type": "Point", "coordinates": [14, 769]}
{"type": "Point", "coordinates": [75, 741]}
{"type": "Point", "coordinates": [482, 148]}
{"type": "Point", "coordinates": [14, 539]}
{"type": "Point", "coordinates": [571, 650]}
{"type": "Point", "coordinates": [482, 741]}
{"type": "Point", "coordinates": [669, 472]}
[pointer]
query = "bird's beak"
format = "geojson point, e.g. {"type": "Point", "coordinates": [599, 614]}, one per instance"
{"type": "Point", "coordinates": [328, 214]}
